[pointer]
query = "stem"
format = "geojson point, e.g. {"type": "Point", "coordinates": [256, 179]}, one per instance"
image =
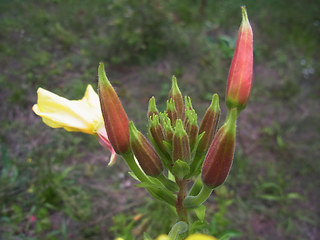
{"type": "Point", "coordinates": [181, 210]}
{"type": "Point", "coordinates": [196, 201]}
{"type": "Point", "coordinates": [135, 168]}
{"type": "Point", "coordinates": [196, 187]}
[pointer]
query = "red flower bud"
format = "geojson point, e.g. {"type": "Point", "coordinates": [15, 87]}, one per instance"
{"type": "Point", "coordinates": [240, 73]}
{"type": "Point", "coordinates": [147, 157]}
{"type": "Point", "coordinates": [180, 142]}
{"type": "Point", "coordinates": [209, 124]}
{"type": "Point", "coordinates": [157, 133]}
{"type": "Point", "coordinates": [218, 160]}
{"type": "Point", "coordinates": [172, 111]}
{"type": "Point", "coordinates": [115, 118]}
{"type": "Point", "coordinates": [176, 95]}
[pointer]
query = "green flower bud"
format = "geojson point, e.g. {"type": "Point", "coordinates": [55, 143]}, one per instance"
{"type": "Point", "coordinates": [157, 133]}
{"type": "Point", "coordinates": [172, 111]}
{"type": "Point", "coordinates": [152, 108]}
{"type": "Point", "coordinates": [147, 157]}
{"type": "Point", "coordinates": [166, 123]}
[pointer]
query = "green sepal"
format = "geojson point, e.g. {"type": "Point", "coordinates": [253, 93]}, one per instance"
{"type": "Point", "coordinates": [165, 158]}
{"type": "Point", "coordinates": [180, 169]}
{"type": "Point", "coordinates": [133, 176]}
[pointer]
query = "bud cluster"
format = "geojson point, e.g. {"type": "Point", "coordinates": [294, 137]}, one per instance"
{"type": "Point", "coordinates": [177, 149]}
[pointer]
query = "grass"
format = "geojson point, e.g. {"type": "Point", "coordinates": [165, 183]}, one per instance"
{"type": "Point", "coordinates": [61, 178]}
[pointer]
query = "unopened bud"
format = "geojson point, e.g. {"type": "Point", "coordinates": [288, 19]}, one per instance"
{"type": "Point", "coordinates": [172, 111]}
{"type": "Point", "coordinates": [181, 147]}
{"type": "Point", "coordinates": [209, 124]}
{"type": "Point", "coordinates": [168, 130]}
{"type": "Point", "coordinates": [176, 95]}
{"type": "Point", "coordinates": [191, 126]}
{"type": "Point", "coordinates": [115, 118]}
{"type": "Point", "coordinates": [240, 73]}
{"type": "Point", "coordinates": [147, 157]}
{"type": "Point", "coordinates": [219, 158]}
{"type": "Point", "coordinates": [152, 108]}
{"type": "Point", "coordinates": [156, 131]}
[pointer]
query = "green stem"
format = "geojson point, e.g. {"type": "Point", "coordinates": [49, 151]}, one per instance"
{"type": "Point", "coordinates": [196, 201]}
{"type": "Point", "coordinates": [135, 168]}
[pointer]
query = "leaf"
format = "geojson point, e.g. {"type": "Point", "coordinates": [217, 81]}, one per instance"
{"type": "Point", "coordinates": [134, 176]}
{"type": "Point", "coordinates": [201, 212]}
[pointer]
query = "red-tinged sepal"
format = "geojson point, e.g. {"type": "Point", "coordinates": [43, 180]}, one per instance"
{"type": "Point", "coordinates": [157, 133]}
{"type": "Point", "coordinates": [147, 157]}
{"type": "Point", "coordinates": [115, 117]}
{"type": "Point", "coordinates": [209, 124]}
{"type": "Point", "coordinates": [240, 73]}
{"type": "Point", "coordinates": [219, 158]}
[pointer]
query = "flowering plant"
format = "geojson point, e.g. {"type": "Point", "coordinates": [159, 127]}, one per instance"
{"type": "Point", "coordinates": [177, 151]}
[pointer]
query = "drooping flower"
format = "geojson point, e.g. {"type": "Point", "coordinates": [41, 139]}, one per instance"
{"type": "Point", "coordinates": [82, 115]}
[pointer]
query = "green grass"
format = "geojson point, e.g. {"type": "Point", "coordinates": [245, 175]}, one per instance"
{"type": "Point", "coordinates": [272, 188]}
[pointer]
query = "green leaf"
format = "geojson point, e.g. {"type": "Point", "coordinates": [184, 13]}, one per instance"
{"type": "Point", "coordinates": [201, 212]}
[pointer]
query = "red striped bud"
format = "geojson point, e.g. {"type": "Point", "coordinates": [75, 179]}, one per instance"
{"type": "Point", "coordinates": [166, 122]}
{"type": "Point", "coordinates": [147, 157]}
{"type": "Point", "coordinates": [180, 142]}
{"type": "Point", "coordinates": [152, 108]}
{"type": "Point", "coordinates": [115, 117]}
{"type": "Point", "coordinates": [219, 158]}
{"type": "Point", "coordinates": [172, 111]}
{"type": "Point", "coordinates": [157, 132]}
{"type": "Point", "coordinates": [240, 73]}
{"type": "Point", "coordinates": [209, 124]}
{"type": "Point", "coordinates": [191, 126]}
{"type": "Point", "coordinates": [176, 95]}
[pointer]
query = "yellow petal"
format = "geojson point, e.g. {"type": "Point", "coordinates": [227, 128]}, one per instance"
{"type": "Point", "coordinates": [199, 236]}
{"type": "Point", "coordinates": [163, 237]}
{"type": "Point", "coordinates": [73, 115]}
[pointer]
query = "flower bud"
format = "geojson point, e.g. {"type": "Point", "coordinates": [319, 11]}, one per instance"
{"type": "Point", "coordinates": [209, 124]}
{"type": "Point", "coordinates": [191, 126]}
{"type": "Point", "coordinates": [147, 157]}
{"type": "Point", "coordinates": [166, 122]}
{"type": "Point", "coordinates": [240, 73]}
{"type": "Point", "coordinates": [115, 118]}
{"type": "Point", "coordinates": [176, 95]}
{"type": "Point", "coordinates": [172, 111]}
{"type": "Point", "coordinates": [218, 160]}
{"type": "Point", "coordinates": [152, 108]}
{"type": "Point", "coordinates": [181, 147]}
{"type": "Point", "coordinates": [156, 131]}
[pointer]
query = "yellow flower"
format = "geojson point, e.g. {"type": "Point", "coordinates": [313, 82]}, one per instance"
{"type": "Point", "coordinates": [199, 236]}
{"type": "Point", "coordinates": [196, 236]}
{"type": "Point", "coordinates": [82, 115]}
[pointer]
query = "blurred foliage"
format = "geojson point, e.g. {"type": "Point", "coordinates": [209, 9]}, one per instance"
{"type": "Point", "coordinates": [50, 185]}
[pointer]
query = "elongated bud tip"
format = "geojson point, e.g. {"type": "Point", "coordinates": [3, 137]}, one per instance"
{"type": "Point", "coordinates": [102, 75]}
{"type": "Point", "coordinates": [152, 108]}
{"type": "Point", "coordinates": [244, 15]}
{"type": "Point", "coordinates": [214, 106]}
{"type": "Point", "coordinates": [175, 89]}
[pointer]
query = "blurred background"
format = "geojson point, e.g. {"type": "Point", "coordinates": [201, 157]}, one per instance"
{"type": "Point", "coordinates": [56, 185]}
